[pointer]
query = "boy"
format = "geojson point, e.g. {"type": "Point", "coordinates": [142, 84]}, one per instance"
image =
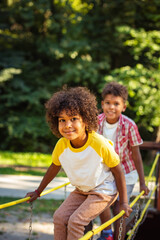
{"type": "Point", "coordinates": [88, 159]}
{"type": "Point", "coordinates": [126, 138]}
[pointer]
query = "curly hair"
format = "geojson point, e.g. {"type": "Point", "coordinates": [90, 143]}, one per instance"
{"type": "Point", "coordinates": [75, 100]}
{"type": "Point", "coordinates": [115, 89]}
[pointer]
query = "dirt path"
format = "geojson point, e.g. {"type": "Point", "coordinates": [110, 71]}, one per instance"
{"type": "Point", "coordinates": [14, 225]}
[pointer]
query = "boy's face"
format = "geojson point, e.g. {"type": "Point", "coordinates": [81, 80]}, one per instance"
{"type": "Point", "coordinates": [72, 128]}
{"type": "Point", "coordinates": [112, 107]}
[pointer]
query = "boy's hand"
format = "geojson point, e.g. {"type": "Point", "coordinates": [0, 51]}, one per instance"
{"type": "Point", "coordinates": [144, 188]}
{"type": "Point", "coordinates": [126, 208]}
{"type": "Point", "coordinates": [34, 195]}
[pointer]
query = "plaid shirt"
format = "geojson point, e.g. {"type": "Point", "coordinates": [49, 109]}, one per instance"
{"type": "Point", "coordinates": [127, 135]}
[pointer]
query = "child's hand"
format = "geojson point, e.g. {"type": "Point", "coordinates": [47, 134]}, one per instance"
{"type": "Point", "coordinates": [126, 208]}
{"type": "Point", "coordinates": [144, 188]}
{"type": "Point", "coordinates": [34, 195]}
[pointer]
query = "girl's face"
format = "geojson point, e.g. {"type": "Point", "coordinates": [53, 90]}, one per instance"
{"type": "Point", "coordinates": [72, 128]}
{"type": "Point", "coordinates": [112, 107]}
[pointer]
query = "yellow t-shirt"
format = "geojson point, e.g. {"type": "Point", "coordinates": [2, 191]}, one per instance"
{"type": "Point", "coordinates": [88, 167]}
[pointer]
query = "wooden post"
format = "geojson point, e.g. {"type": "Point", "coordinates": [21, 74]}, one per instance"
{"type": "Point", "coordinates": [157, 194]}
{"type": "Point", "coordinates": [150, 146]}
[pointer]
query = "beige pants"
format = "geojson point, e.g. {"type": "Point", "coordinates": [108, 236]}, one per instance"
{"type": "Point", "coordinates": [77, 211]}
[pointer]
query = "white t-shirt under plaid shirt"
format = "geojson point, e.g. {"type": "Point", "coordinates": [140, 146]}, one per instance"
{"type": "Point", "coordinates": [127, 135]}
{"type": "Point", "coordinates": [88, 167]}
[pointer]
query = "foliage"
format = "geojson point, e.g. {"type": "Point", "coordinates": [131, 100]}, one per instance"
{"type": "Point", "coordinates": [46, 44]}
{"type": "Point", "coordinates": [142, 80]}
{"type": "Point", "coordinates": [143, 88]}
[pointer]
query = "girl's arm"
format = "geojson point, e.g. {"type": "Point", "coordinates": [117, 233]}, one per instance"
{"type": "Point", "coordinates": [48, 177]}
{"type": "Point", "coordinates": [136, 155]}
{"type": "Point", "coordinates": [121, 186]}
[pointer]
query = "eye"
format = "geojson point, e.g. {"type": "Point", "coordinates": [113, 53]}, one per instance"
{"type": "Point", "coordinates": [116, 104]}
{"type": "Point", "coordinates": [61, 120]}
{"type": "Point", "coordinates": [107, 103]}
{"type": "Point", "coordinates": [73, 119]}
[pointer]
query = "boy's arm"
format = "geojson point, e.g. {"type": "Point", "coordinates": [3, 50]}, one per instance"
{"type": "Point", "coordinates": [121, 186]}
{"type": "Point", "coordinates": [48, 177]}
{"type": "Point", "coordinates": [136, 155]}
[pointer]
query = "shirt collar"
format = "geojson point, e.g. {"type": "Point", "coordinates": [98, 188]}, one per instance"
{"type": "Point", "coordinates": [103, 117]}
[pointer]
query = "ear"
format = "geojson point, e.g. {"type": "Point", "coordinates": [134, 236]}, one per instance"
{"type": "Point", "coordinates": [87, 128]}
{"type": "Point", "coordinates": [124, 107]}
{"type": "Point", "coordinates": [102, 103]}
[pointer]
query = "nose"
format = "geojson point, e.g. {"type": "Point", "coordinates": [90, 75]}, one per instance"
{"type": "Point", "coordinates": [68, 124]}
{"type": "Point", "coordinates": [111, 106]}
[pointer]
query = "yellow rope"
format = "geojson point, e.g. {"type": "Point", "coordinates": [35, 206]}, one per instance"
{"type": "Point", "coordinates": [53, 189]}
{"type": "Point", "coordinates": [97, 230]}
{"type": "Point", "coordinates": [153, 167]}
{"type": "Point", "coordinates": [100, 228]}
{"type": "Point", "coordinates": [142, 214]}
{"type": "Point", "coordinates": [106, 224]}
{"type": "Point", "coordinates": [5, 205]}
{"type": "Point", "coordinates": [147, 204]}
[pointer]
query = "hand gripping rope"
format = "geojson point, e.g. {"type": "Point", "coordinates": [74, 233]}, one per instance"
{"type": "Point", "coordinates": [31, 204]}
{"type": "Point", "coordinates": [5, 205]}
{"type": "Point", "coordinates": [89, 234]}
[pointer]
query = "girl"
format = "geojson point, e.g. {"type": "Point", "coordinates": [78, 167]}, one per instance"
{"type": "Point", "coordinates": [88, 159]}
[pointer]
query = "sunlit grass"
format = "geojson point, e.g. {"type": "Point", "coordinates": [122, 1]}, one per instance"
{"type": "Point", "coordinates": [25, 159]}
{"type": "Point", "coordinates": [26, 163]}
{"type": "Point", "coordinates": [29, 172]}
{"type": "Point", "coordinates": [39, 206]}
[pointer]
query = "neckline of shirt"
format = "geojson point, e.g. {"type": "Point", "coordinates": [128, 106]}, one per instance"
{"type": "Point", "coordinates": [114, 125]}
{"type": "Point", "coordinates": [83, 147]}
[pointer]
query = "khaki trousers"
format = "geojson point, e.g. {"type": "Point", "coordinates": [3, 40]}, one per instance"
{"type": "Point", "coordinates": [77, 211]}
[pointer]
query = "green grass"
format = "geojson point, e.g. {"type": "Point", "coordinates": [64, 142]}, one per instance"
{"type": "Point", "coordinates": [39, 206]}
{"type": "Point", "coordinates": [25, 159]}
{"type": "Point", "coordinates": [14, 171]}
{"type": "Point", "coordinates": [26, 163]}
{"type": "Point", "coordinates": [30, 172]}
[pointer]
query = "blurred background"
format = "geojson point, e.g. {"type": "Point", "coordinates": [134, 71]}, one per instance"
{"type": "Point", "coordinates": [45, 44]}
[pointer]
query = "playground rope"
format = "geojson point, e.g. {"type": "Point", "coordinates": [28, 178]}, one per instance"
{"type": "Point", "coordinates": [89, 234]}
{"type": "Point", "coordinates": [131, 233]}
{"type": "Point", "coordinates": [5, 205]}
{"type": "Point", "coordinates": [142, 214]}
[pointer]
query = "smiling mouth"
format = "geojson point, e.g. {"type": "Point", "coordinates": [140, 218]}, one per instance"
{"type": "Point", "coordinates": [111, 113]}
{"type": "Point", "coordinates": [69, 132]}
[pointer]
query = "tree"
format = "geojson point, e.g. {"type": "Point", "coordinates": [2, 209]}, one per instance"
{"type": "Point", "coordinates": [46, 44]}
